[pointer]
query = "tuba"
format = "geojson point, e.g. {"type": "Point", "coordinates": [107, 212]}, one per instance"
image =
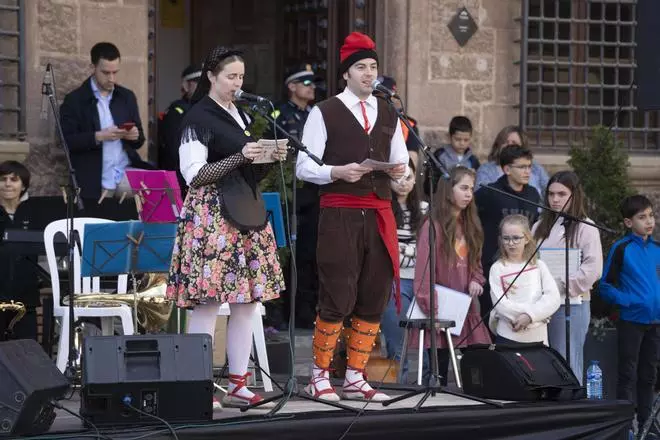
{"type": "Point", "coordinates": [18, 308]}
{"type": "Point", "coordinates": [153, 308]}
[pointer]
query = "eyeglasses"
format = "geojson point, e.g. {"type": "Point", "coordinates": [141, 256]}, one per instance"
{"type": "Point", "coordinates": [522, 167]}
{"type": "Point", "coordinates": [307, 83]}
{"type": "Point", "coordinates": [514, 239]}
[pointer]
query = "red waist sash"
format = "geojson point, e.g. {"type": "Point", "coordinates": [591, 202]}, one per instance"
{"type": "Point", "coordinates": [386, 227]}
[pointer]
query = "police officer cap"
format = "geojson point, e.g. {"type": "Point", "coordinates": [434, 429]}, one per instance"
{"type": "Point", "coordinates": [191, 73]}
{"type": "Point", "coordinates": [299, 73]}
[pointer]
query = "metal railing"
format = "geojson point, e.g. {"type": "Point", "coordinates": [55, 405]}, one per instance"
{"type": "Point", "coordinates": [12, 70]}
{"type": "Point", "coordinates": [577, 68]}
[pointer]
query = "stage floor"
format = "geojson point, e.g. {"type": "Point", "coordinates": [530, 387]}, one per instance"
{"type": "Point", "coordinates": [445, 415]}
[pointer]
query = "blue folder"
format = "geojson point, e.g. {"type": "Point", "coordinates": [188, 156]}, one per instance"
{"type": "Point", "coordinates": [274, 208]}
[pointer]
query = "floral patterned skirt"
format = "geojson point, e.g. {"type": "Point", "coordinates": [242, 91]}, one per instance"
{"type": "Point", "coordinates": [213, 261]}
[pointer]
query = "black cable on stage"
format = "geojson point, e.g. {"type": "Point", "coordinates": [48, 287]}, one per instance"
{"type": "Point", "coordinates": [127, 401]}
{"type": "Point", "coordinates": [58, 405]}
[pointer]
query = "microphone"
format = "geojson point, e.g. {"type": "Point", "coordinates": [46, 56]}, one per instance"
{"type": "Point", "coordinates": [46, 84]}
{"type": "Point", "coordinates": [377, 85]}
{"type": "Point", "coordinates": [240, 94]}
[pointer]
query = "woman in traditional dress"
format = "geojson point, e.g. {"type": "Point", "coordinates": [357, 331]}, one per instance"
{"type": "Point", "coordinates": [225, 251]}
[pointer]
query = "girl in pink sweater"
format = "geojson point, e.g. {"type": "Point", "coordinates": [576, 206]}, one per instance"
{"type": "Point", "coordinates": [564, 192]}
{"type": "Point", "coordinates": [459, 238]}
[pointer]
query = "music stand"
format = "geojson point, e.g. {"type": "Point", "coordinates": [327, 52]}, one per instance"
{"type": "Point", "coordinates": [127, 248]}
{"type": "Point", "coordinates": [275, 217]}
{"type": "Point", "coordinates": [157, 195]}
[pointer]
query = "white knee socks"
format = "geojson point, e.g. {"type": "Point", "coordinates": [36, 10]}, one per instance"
{"type": "Point", "coordinates": [239, 342]}
{"type": "Point", "coordinates": [203, 318]}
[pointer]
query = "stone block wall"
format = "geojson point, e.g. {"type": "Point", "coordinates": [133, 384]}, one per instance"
{"type": "Point", "coordinates": [442, 79]}
{"type": "Point", "coordinates": [439, 79]}
{"type": "Point", "coordinates": [62, 32]}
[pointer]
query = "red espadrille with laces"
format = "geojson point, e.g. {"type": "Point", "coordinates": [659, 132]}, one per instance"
{"type": "Point", "coordinates": [356, 387]}
{"type": "Point", "coordinates": [320, 386]}
{"type": "Point", "coordinates": [239, 396]}
{"type": "Point", "coordinates": [360, 342]}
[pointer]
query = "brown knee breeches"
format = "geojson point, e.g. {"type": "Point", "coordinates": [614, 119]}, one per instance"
{"type": "Point", "coordinates": [355, 270]}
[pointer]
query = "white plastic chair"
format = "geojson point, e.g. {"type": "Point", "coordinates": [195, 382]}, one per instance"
{"type": "Point", "coordinates": [82, 285]}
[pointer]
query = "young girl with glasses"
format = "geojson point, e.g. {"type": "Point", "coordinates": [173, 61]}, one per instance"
{"type": "Point", "coordinates": [522, 307]}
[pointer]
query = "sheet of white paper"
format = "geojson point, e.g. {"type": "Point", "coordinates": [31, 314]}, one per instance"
{"type": "Point", "coordinates": [452, 306]}
{"type": "Point", "coordinates": [269, 146]}
{"type": "Point", "coordinates": [378, 166]}
{"type": "Point", "coordinates": [555, 259]}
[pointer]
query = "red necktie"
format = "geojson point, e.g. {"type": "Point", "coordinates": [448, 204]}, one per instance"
{"type": "Point", "coordinates": [364, 115]}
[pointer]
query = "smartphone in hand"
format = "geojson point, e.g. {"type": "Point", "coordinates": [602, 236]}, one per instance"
{"type": "Point", "coordinates": [127, 126]}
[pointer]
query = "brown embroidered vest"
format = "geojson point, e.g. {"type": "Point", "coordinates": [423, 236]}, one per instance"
{"type": "Point", "coordinates": [347, 142]}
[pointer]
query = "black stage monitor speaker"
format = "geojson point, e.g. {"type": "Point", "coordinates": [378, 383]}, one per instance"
{"type": "Point", "coordinates": [168, 375]}
{"type": "Point", "coordinates": [519, 372]}
{"type": "Point", "coordinates": [647, 55]}
{"type": "Point", "coordinates": [29, 380]}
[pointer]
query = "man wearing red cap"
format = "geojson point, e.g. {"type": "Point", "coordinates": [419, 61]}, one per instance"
{"type": "Point", "coordinates": [357, 250]}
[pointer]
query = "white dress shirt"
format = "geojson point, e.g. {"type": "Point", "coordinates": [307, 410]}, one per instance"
{"type": "Point", "coordinates": [315, 137]}
{"type": "Point", "coordinates": [193, 154]}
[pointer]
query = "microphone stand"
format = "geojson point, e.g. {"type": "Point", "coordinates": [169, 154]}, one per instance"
{"type": "Point", "coordinates": [567, 220]}
{"type": "Point", "coordinates": [72, 196]}
{"type": "Point", "coordinates": [432, 387]}
{"type": "Point", "coordinates": [292, 388]}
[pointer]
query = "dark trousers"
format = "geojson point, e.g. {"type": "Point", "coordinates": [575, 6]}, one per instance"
{"type": "Point", "coordinates": [638, 360]}
{"type": "Point", "coordinates": [355, 270]}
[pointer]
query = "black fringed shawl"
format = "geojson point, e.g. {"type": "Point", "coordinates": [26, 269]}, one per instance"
{"type": "Point", "coordinates": [210, 124]}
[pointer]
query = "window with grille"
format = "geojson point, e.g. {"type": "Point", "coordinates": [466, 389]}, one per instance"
{"type": "Point", "coordinates": [12, 92]}
{"type": "Point", "coordinates": [577, 71]}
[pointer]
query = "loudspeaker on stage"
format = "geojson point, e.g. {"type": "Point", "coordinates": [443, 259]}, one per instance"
{"type": "Point", "coordinates": [29, 380]}
{"type": "Point", "coordinates": [518, 372]}
{"type": "Point", "coordinates": [166, 375]}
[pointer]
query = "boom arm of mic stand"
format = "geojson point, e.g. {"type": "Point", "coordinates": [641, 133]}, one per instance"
{"type": "Point", "coordinates": [569, 218]}
{"type": "Point", "coordinates": [296, 142]}
{"type": "Point", "coordinates": [546, 208]}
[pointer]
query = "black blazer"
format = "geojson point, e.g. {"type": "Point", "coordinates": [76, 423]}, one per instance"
{"type": "Point", "coordinates": [80, 121]}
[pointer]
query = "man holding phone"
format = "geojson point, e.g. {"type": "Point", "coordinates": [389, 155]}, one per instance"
{"type": "Point", "coordinates": [101, 125]}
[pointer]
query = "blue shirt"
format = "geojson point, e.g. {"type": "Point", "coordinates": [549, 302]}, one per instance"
{"type": "Point", "coordinates": [115, 159]}
{"type": "Point", "coordinates": [631, 279]}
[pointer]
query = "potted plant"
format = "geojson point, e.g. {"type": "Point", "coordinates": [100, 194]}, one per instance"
{"type": "Point", "coordinates": [602, 165]}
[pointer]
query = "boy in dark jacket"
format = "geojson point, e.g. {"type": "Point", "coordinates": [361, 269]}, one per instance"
{"type": "Point", "coordinates": [516, 162]}
{"type": "Point", "coordinates": [631, 280]}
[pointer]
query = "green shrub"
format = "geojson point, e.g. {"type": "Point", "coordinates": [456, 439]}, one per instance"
{"type": "Point", "coordinates": [602, 166]}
